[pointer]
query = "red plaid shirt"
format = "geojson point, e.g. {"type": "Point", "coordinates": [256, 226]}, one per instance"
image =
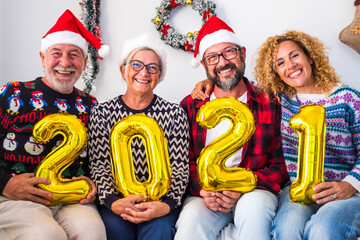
{"type": "Point", "coordinates": [262, 153]}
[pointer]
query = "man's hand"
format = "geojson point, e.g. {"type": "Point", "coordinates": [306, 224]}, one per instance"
{"type": "Point", "coordinates": [220, 201]}
{"type": "Point", "coordinates": [148, 211]}
{"type": "Point", "coordinates": [210, 200]}
{"type": "Point", "coordinates": [23, 187]}
{"type": "Point", "coordinates": [202, 90]}
{"type": "Point", "coordinates": [90, 198]}
{"type": "Point", "coordinates": [227, 200]}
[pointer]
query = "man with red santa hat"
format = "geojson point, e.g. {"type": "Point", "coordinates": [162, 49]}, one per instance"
{"type": "Point", "coordinates": [24, 208]}
{"type": "Point", "coordinates": [232, 214]}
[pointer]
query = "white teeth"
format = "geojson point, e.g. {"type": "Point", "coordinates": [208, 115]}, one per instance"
{"type": "Point", "coordinates": [295, 73]}
{"type": "Point", "coordinates": [63, 72]}
{"type": "Point", "coordinates": [142, 81]}
{"type": "Point", "coordinates": [225, 71]}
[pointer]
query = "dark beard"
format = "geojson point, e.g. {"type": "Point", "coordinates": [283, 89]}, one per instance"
{"type": "Point", "coordinates": [230, 83]}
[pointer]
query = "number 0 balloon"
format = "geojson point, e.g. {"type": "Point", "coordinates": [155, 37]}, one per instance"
{"type": "Point", "coordinates": [213, 174]}
{"type": "Point", "coordinates": [310, 124]}
{"type": "Point", "coordinates": [65, 191]}
{"type": "Point", "coordinates": [153, 137]}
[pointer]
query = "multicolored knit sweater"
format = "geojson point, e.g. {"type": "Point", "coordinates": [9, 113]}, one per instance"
{"type": "Point", "coordinates": [22, 105]}
{"type": "Point", "coordinates": [342, 148]}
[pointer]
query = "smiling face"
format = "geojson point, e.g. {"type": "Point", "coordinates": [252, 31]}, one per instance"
{"type": "Point", "coordinates": [63, 65]}
{"type": "Point", "coordinates": [141, 82]}
{"type": "Point", "coordinates": [226, 74]}
{"type": "Point", "coordinates": [294, 67]}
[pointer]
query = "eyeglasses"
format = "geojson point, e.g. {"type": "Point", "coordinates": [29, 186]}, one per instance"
{"type": "Point", "coordinates": [137, 66]}
{"type": "Point", "coordinates": [227, 55]}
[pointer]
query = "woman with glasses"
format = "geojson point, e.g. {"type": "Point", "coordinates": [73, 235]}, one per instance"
{"type": "Point", "coordinates": [143, 65]}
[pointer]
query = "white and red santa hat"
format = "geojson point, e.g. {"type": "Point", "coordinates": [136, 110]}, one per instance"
{"type": "Point", "coordinates": [214, 31]}
{"type": "Point", "coordinates": [69, 30]}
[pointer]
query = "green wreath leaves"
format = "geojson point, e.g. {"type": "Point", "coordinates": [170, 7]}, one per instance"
{"type": "Point", "coordinates": [168, 34]}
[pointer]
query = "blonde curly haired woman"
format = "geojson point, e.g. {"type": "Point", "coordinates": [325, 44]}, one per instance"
{"type": "Point", "coordinates": [294, 66]}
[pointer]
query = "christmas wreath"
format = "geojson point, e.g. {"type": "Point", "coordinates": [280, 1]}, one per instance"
{"type": "Point", "coordinates": [168, 34]}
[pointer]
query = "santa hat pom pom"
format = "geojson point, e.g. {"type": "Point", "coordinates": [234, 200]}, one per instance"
{"type": "Point", "coordinates": [104, 51]}
{"type": "Point", "coordinates": [195, 63]}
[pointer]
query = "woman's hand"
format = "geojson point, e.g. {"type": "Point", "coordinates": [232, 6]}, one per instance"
{"type": "Point", "coordinates": [331, 191]}
{"type": "Point", "coordinates": [118, 207]}
{"type": "Point", "coordinates": [146, 211]}
{"type": "Point", "coordinates": [202, 90]}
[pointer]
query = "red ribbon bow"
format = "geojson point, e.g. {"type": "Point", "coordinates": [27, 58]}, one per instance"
{"type": "Point", "coordinates": [187, 46]}
{"type": "Point", "coordinates": [173, 4]}
{"type": "Point", "coordinates": [165, 28]}
{"type": "Point", "coordinates": [206, 14]}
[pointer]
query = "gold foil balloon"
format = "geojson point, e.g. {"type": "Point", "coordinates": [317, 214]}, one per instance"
{"type": "Point", "coordinates": [310, 124]}
{"type": "Point", "coordinates": [64, 191]}
{"type": "Point", "coordinates": [153, 137]}
{"type": "Point", "coordinates": [213, 174]}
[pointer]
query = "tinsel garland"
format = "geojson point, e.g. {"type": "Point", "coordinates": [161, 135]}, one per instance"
{"type": "Point", "coordinates": [90, 18]}
{"type": "Point", "coordinates": [168, 34]}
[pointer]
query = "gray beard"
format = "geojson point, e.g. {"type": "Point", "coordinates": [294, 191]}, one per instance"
{"type": "Point", "coordinates": [230, 83]}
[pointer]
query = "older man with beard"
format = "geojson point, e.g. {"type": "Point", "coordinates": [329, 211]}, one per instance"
{"type": "Point", "coordinates": [229, 214]}
{"type": "Point", "coordinates": [24, 208]}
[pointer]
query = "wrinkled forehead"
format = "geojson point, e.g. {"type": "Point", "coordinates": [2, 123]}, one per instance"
{"type": "Point", "coordinates": [64, 47]}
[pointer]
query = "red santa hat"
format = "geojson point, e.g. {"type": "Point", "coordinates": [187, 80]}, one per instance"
{"type": "Point", "coordinates": [214, 31]}
{"type": "Point", "coordinates": [69, 30]}
{"type": "Point", "coordinates": [35, 92]}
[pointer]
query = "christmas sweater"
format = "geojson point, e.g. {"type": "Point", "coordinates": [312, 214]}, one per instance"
{"type": "Point", "coordinates": [22, 105]}
{"type": "Point", "coordinates": [342, 147]}
{"type": "Point", "coordinates": [171, 118]}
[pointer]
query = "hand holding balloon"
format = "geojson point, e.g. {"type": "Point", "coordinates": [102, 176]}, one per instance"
{"type": "Point", "coordinates": [331, 191]}
{"type": "Point", "coordinates": [220, 201]}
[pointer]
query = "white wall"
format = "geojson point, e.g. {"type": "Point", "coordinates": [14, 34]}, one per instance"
{"type": "Point", "coordinates": [25, 22]}
{"type": "Point", "coordinates": [254, 20]}
{"type": "Point", "coordinates": [2, 47]}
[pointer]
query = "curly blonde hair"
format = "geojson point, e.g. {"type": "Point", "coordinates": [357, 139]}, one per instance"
{"type": "Point", "coordinates": [269, 80]}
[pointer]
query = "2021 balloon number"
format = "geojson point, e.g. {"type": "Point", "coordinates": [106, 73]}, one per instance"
{"type": "Point", "coordinates": [212, 172]}
{"type": "Point", "coordinates": [74, 132]}
{"type": "Point", "coordinates": [310, 124]}
{"type": "Point", "coordinates": [153, 137]}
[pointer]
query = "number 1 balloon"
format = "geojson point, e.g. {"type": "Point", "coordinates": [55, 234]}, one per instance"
{"type": "Point", "coordinates": [310, 124]}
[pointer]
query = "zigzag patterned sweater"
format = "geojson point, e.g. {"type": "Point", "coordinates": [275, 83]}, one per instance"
{"type": "Point", "coordinates": [172, 119]}
{"type": "Point", "coordinates": [342, 148]}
